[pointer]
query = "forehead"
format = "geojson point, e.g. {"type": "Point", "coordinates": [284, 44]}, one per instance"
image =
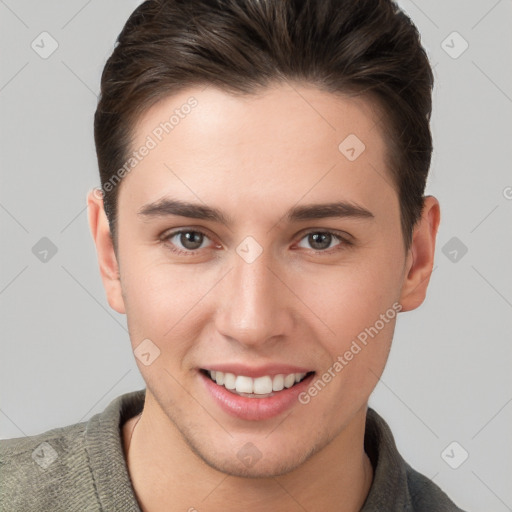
{"type": "Point", "coordinates": [288, 140]}
{"type": "Point", "coordinates": [283, 109]}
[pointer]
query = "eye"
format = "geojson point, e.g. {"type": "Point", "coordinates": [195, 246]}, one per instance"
{"type": "Point", "coordinates": [186, 241]}
{"type": "Point", "coordinates": [190, 241]}
{"type": "Point", "coordinates": [322, 240]}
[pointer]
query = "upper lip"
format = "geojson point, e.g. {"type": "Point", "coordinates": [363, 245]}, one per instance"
{"type": "Point", "coordinates": [257, 371]}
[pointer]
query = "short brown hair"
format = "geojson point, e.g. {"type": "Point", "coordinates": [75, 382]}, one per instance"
{"type": "Point", "coordinates": [367, 47]}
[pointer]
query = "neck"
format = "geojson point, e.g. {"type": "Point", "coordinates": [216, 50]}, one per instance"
{"type": "Point", "coordinates": [161, 465]}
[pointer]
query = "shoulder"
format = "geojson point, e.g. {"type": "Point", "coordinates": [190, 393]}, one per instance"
{"type": "Point", "coordinates": [396, 485]}
{"type": "Point", "coordinates": [425, 495]}
{"type": "Point", "coordinates": [77, 468]}
{"type": "Point", "coordinates": [46, 471]}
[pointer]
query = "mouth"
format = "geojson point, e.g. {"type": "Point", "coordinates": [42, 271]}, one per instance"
{"type": "Point", "coordinates": [264, 386]}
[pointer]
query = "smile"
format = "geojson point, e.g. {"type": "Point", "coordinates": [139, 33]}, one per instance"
{"type": "Point", "coordinates": [259, 387]}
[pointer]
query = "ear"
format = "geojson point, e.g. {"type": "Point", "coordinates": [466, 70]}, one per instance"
{"type": "Point", "coordinates": [109, 268]}
{"type": "Point", "coordinates": [420, 258]}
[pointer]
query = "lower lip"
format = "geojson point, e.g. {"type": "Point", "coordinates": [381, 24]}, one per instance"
{"type": "Point", "coordinates": [255, 409]}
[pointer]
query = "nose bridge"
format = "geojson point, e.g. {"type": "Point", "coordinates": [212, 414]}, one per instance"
{"type": "Point", "coordinates": [254, 305]}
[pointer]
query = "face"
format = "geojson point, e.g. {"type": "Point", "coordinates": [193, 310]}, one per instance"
{"type": "Point", "coordinates": [253, 246]}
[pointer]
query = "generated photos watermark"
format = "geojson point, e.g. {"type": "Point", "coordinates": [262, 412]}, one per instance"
{"type": "Point", "coordinates": [357, 345]}
{"type": "Point", "coordinates": [152, 140]}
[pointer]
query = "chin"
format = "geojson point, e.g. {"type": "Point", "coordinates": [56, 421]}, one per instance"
{"type": "Point", "coordinates": [247, 461]}
{"type": "Point", "coordinates": [258, 469]}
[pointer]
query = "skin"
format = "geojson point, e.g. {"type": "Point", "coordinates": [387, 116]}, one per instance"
{"type": "Point", "coordinates": [255, 157]}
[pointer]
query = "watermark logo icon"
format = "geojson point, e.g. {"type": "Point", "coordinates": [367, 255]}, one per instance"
{"type": "Point", "coordinates": [44, 45]}
{"type": "Point", "coordinates": [454, 45]}
{"type": "Point", "coordinates": [146, 352]}
{"type": "Point", "coordinates": [44, 455]}
{"type": "Point", "coordinates": [44, 250]}
{"type": "Point", "coordinates": [454, 455]}
{"type": "Point", "coordinates": [249, 454]}
{"type": "Point", "coordinates": [249, 249]}
{"type": "Point", "coordinates": [454, 249]}
{"type": "Point", "coordinates": [351, 147]}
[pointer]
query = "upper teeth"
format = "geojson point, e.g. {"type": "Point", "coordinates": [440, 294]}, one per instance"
{"type": "Point", "coordinates": [259, 386]}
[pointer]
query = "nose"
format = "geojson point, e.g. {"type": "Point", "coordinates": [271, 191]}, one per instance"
{"type": "Point", "coordinates": [255, 306]}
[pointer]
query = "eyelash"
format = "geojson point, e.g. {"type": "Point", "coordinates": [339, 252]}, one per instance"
{"type": "Point", "coordinates": [344, 242]}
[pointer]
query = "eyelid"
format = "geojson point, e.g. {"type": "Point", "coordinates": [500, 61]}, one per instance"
{"type": "Point", "coordinates": [334, 232]}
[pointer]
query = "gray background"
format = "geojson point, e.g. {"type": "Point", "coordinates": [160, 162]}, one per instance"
{"type": "Point", "coordinates": [65, 353]}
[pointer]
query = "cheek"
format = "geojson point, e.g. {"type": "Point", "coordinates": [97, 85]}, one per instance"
{"type": "Point", "coordinates": [358, 302]}
{"type": "Point", "coordinates": [163, 301]}
{"type": "Point", "coordinates": [350, 298]}
{"type": "Point", "coordinates": [360, 308]}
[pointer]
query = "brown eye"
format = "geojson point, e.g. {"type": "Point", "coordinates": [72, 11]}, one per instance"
{"type": "Point", "coordinates": [321, 240]}
{"type": "Point", "coordinates": [191, 240]}
{"type": "Point", "coordinates": [186, 241]}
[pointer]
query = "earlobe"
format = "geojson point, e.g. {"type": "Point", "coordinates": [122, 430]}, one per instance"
{"type": "Point", "coordinates": [107, 259]}
{"type": "Point", "coordinates": [420, 259]}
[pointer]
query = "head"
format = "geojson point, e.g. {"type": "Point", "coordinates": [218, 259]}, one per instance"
{"type": "Point", "coordinates": [368, 49]}
{"type": "Point", "coordinates": [254, 110]}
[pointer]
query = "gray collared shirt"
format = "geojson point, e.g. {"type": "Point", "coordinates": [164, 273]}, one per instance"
{"type": "Point", "coordinates": [82, 467]}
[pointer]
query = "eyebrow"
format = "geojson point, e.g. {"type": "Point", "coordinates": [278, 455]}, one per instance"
{"type": "Point", "coordinates": [167, 207]}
